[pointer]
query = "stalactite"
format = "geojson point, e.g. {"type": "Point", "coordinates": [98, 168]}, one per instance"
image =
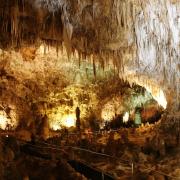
{"type": "Point", "coordinates": [101, 59]}
{"type": "Point", "coordinates": [14, 23]}
{"type": "Point", "coordinates": [44, 48]}
{"type": "Point", "coordinates": [94, 67]}
{"type": "Point", "coordinates": [57, 49]}
{"type": "Point", "coordinates": [79, 58]}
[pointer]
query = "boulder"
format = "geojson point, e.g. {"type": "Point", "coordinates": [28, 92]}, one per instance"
{"type": "Point", "coordinates": [151, 177]}
{"type": "Point", "coordinates": [143, 157]}
{"type": "Point", "coordinates": [159, 177]}
{"type": "Point", "coordinates": [176, 173]}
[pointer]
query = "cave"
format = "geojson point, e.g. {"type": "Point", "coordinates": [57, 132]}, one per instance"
{"type": "Point", "coordinates": [89, 89]}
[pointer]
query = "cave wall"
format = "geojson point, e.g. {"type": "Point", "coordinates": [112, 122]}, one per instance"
{"type": "Point", "coordinates": [53, 85]}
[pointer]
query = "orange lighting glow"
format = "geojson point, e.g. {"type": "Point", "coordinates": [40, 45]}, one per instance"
{"type": "Point", "coordinates": [68, 121]}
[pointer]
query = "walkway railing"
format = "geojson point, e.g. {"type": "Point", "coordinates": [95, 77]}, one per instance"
{"type": "Point", "coordinates": [124, 162]}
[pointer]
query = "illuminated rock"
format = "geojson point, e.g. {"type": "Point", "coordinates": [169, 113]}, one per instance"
{"type": "Point", "coordinates": [126, 117]}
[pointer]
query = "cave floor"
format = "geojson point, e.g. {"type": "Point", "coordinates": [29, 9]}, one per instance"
{"type": "Point", "coordinates": [122, 154]}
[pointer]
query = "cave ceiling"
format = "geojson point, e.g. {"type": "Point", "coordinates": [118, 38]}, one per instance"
{"type": "Point", "coordinates": [140, 39]}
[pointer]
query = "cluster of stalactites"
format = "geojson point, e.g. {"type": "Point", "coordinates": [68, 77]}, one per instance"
{"type": "Point", "coordinates": [90, 29]}
{"type": "Point", "coordinates": [157, 30]}
{"type": "Point", "coordinates": [51, 5]}
{"type": "Point", "coordinates": [140, 34]}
